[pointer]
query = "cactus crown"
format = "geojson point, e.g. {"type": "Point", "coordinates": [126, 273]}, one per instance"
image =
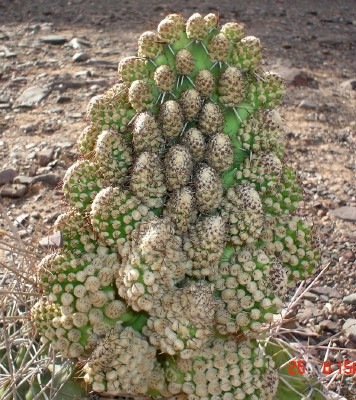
{"type": "Point", "coordinates": [181, 234]}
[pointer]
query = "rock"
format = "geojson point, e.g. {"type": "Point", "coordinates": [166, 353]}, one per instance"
{"type": "Point", "coordinates": [326, 291]}
{"type": "Point", "coordinates": [75, 115]}
{"type": "Point", "coordinates": [310, 296]}
{"type": "Point", "coordinates": [4, 99]}
{"type": "Point", "coordinates": [80, 57]}
{"type": "Point", "coordinates": [54, 241]}
{"type": "Point", "coordinates": [83, 74]}
{"type": "Point", "coordinates": [21, 219]}
{"type": "Point", "coordinates": [349, 84]}
{"type": "Point", "coordinates": [52, 218]}
{"type": "Point", "coordinates": [346, 213]}
{"type": "Point", "coordinates": [23, 233]}
{"type": "Point", "coordinates": [28, 128]}
{"type": "Point", "coordinates": [45, 156]}
{"type": "Point", "coordinates": [54, 39]}
{"type": "Point", "coordinates": [296, 77]}
{"type": "Point", "coordinates": [7, 176]}
{"type": "Point", "coordinates": [77, 43]}
{"type": "Point", "coordinates": [101, 63]}
{"type": "Point", "coordinates": [35, 215]}
{"type": "Point", "coordinates": [32, 96]}
{"type": "Point", "coordinates": [63, 99]}
{"type": "Point", "coordinates": [44, 170]}
{"type": "Point", "coordinates": [347, 256]}
{"type": "Point", "coordinates": [350, 299]}
{"type": "Point", "coordinates": [349, 329]}
{"type": "Point", "coordinates": [65, 145]}
{"type": "Point", "coordinates": [24, 180]}
{"type": "Point", "coordinates": [5, 106]}
{"type": "Point", "coordinates": [308, 104]}
{"type": "Point", "coordinates": [14, 191]}
{"type": "Point", "coordinates": [329, 325]}
{"type": "Point", "coordinates": [50, 179]}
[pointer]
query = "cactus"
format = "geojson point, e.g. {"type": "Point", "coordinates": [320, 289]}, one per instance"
{"type": "Point", "coordinates": [182, 236]}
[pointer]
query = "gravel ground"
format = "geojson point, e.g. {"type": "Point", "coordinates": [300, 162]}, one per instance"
{"type": "Point", "coordinates": [54, 56]}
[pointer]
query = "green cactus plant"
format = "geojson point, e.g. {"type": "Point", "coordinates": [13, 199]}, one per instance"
{"type": "Point", "coordinates": [181, 238]}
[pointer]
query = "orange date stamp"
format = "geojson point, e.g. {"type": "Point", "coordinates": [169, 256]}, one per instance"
{"type": "Point", "coordinates": [347, 367]}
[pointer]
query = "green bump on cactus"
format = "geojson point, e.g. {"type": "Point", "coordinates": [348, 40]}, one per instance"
{"type": "Point", "coordinates": [114, 214]}
{"type": "Point", "coordinates": [123, 361]}
{"type": "Point", "coordinates": [224, 370]}
{"type": "Point", "coordinates": [87, 139]}
{"type": "Point", "coordinates": [204, 244]}
{"type": "Point", "coordinates": [247, 53]}
{"type": "Point", "coordinates": [132, 68]}
{"type": "Point", "coordinates": [181, 237]}
{"type": "Point", "coordinates": [155, 263]}
{"type": "Point", "coordinates": [113, 155]}
{"type": "Point", "coordinates": [81, 183]}
{"type": "Point", "coordinates": [180, 325]}
{"type": "Point", "coordinates": [112, 108]}
{"type": "Point", "coordinates": [233, 31]}
{"type": "Point", "coordinates": [77, 234]}
{"type": "Point", "coordinates": [250, 283]}
{"type": "Point", "coordinates": [243, 214]}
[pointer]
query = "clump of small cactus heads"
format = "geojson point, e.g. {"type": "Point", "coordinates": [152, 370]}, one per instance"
{"type": "Point", "coordinates": [182, 237]}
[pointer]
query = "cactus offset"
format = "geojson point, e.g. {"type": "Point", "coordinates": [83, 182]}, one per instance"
{"type": "Point", "coordinates": [181, 239]}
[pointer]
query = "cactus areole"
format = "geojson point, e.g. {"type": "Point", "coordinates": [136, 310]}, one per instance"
{"type": "Point", "coordinates": [181, 237]}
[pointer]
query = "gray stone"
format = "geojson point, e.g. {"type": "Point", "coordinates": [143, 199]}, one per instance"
{"type": "Point", "coordinates": [52, 218]}
{"type": "Point", "coordinates": [44, 170]}
{"type": "Point", "coordinates": [101, 63]}
{"type": "Point", "coordinates": [296, 77]}
{"type": "Point", "coordinates": [4, 99]}
{"type": "Point", "coordinates": [52, 241]}
{"type": "Point", "coordinates": [21, 218]}
{"type": "Point", "coordinates": [10, 54]}
{"type": "Point", "coordinates": [350, 299]}
{"type": "Point", "coordinates": [75, 115]}
{"type": "Point", "coordinates": [50, 179]}
{"type": "Point", "coordinates": [7, 176]}
{"type": "Point", "coordinates": [329, 325]}
{"type": "Point", "coordinates": [23, 233]}
{"type": "Point", "coordinates": [63, 99]}
{"type": "Point", "coordinates": [65, 145]}
{"type": "Point", "coordinates": [346, 213]}
{"type": "Point", "coordinates": [77, 43]}
{"type": "Point", "coordinates": [305, 314]}
{"type": "Point", "coordinates": [308, 104]}
{"type": "Point", "coordinates": [310, 296]}
{"type": "Point", "coordinates": [54, 39]}
{"type": "Point", "coordinates": [326, 291]}
{"type": "Point", "coordinates": [14, 191]}
{"type": "Point", "coordinates": [5, 106]}
{"type": "Point", "coordinates": [349, 84]}
{"type": "Point", "coordinates": [349, 329]}
{"type": "Point", "coordinates": [24, 180]}
{"type": "Point", "coordinates": [32, 96]}
{"type": "Point", "coordinates": [45, 156]}
{"type": "Point", "coordinates": [80, 57]}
